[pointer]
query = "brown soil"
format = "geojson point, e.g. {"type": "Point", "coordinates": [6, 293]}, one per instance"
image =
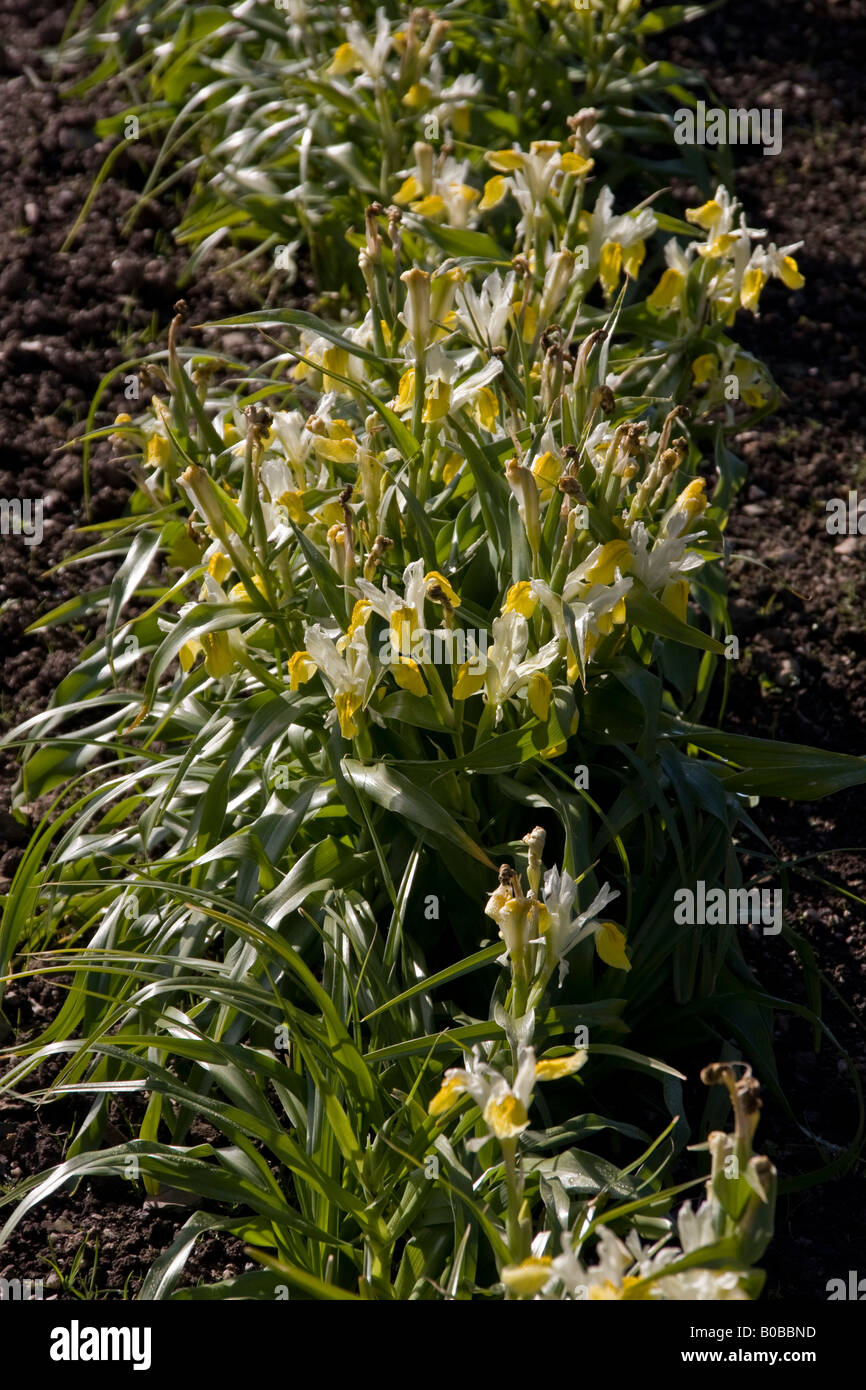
{"type": "Point", "coordinates": [68, 318]}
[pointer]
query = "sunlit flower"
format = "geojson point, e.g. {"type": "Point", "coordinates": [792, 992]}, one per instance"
{"type": "Point", "coordinates": [438, 189]}
{"type": "Point", "coordinates": [509, 669]}
{"type": "Point", "coordinates": [504, 1105]}
{"type": "Point", "coordinates": [662, 564]}
{"type": "Point", "coordinates": [616, 243]}
{"type": "Point", "coordinates": [529, 1277]}
{"type": "Point", "coordinates": [565, 930]}
{"type": "Point", "coordinates": [347, 673]}
{"type": "Point", "coordinates": [485, 314]}
{"type": "Point", "coordinates": [668, 293]}
{"type": "Point", "coordinates": [531, 175]}
{"type": "Point", "coordinates": [359, 54]}
{"type": "Point", "coordinates": [222, 648]}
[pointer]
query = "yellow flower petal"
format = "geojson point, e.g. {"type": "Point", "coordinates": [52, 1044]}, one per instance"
{"type": "Point", "coordinates": [188, 653]}
{"type": "Point", "coordinates": [404, 623]}
{"type": "Point", "coordinates": [506, 160]}
{"type": "Point", "coordinates": [219, 566]}
{"type": "Point", "coordinates": [720, 246]}
{"type": "Point", "coordinates": [544, 148]}
{"type": "Point", "coordinates": [633, 259]}
{"type": "Point", "coordinates": [553, 1068]}
{"type": "Point", "coordinates": [360, 613]}
{"type": "Point", "coordinates": [546, 469]}
{"type": "Point", "coordinates": [486, 408]}
{"type": "Point", "coordinates": [238, 592]}
{"type": "Point", "coordinates": [791, 275]}
{"type": "Point", "coordinates": [675, 597]}
{"type": "Point", "coordinates": [437, 401]}
{"type": "Point", "coordinates": [573, 163]}
{"type": "Point", "coordinates": [467, 683]}
{"type": "Point", "coordinates": [405, 391]}
{"type": "Point", "coordinates": [293, 501]}
{"type": "Point", "coordinates": [706, 216]}
{"type": "Point", "coordinates": [668, 290]}
{"type": "Point", "coordinates": [447, 1095]}
{"type": "Point", "coordinates": [408, 190]}
{"type": "Point", "coordinates": [302, 668]}
{"type": "Point", "coordinates": [434, 577]}
{"type": "Point", "coordinates": [347, 705]}
{"type": "Point", "coordinates": [610, 945]}
{"type": "Point", "coordinates": [529, 1277]}
{"type": "Point", "coordinates": [339, 429]}
{"type": "Point", "coordinates": [336, 450]}
{"type": "Point", "coordinates": [614, 555]}
{"type": "Point", "coordinates": [451, 468]}
{"type": "Point", "coordinates": [538, 693]}
{"type": "Point", "coordinates": [507, 1116]}
{"type": "Point", "coordinates": [159, 449]}
{"type": "Point", "coordinates": [418, 95]}
{"type": "Point", "coordinates": [495, 190]}
{"type": "Point", "coordinates": [345, 60]}
{"type": "Point", "coordinates": [754, 281]}
{"type": "Point", "coordinates": [704, 367]}
{"type": "Point", "coordinates": [610, 266]}
{"type": "Point", "coordinates": [218, 658]}
{"type": "Point", "coordinates": [693, 499]}
{"type": "Point", "coordinates": [431, 206]}
{"type": "Point", "coordinates": [329, 514]}
{"type": "Point", "coordinates": [520, 599]}
{"type": "Point", "coordinates": [407, 674]}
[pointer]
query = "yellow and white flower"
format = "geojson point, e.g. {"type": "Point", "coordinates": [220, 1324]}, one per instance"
{"type": "Point", "coordinates": [662, 564]}
{"type": "Point", "coordinates": [406, 619]}
{"type": "Point", "coordinates": [563, 930]}
{"type": "Point", "coordinates": [668, 293]}
{"type": "Point", "coordinates": [347, 673]}
{"type": "Point", "coordinates": [531, 177]}
{"type": "Point", "coordinates": [456, 101]}
{"type": "Point", "coordinates": [504, 1105]}
{"type": "Point", "coordinates": [616, 242]}
{"type": "Point", "coordinates": [358, 54]}
{"type": "Point", "coordinates": [485, 314]}
{"type": "Point", "coordinates": [595, 592]}
{"type": "Point", "coordinates": [443, 397]}
{"type": "Point", "coordinates": [438, 189]}
{"type": "Point", "coordinates": [222, 648]}
{"type": "Point", "coordinates": [509, 670]}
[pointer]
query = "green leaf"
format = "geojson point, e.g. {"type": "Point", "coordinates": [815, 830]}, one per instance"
{"type": "Point", "coordinates": [773, 768]}
{"type": "Point", "coordinates": [401, 796]}
{"type": "Point", "coordinates": [647, 612]}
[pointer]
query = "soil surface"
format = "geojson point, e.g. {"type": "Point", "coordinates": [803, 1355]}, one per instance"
{"type": "Point", "coordinates": [70, 316]}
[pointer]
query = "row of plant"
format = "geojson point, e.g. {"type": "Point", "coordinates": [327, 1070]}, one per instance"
{"type": "Point", "coordinates": [450, 565]}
